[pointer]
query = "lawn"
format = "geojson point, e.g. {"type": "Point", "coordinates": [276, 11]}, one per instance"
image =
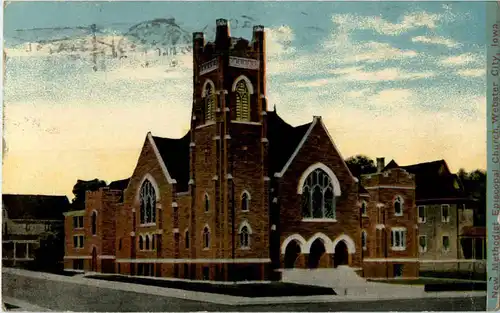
{"type": "Point", "coordinates": [252, 290]}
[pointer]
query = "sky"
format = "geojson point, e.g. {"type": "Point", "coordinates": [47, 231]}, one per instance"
{"type": "Point", "coordinates": [400, 80]}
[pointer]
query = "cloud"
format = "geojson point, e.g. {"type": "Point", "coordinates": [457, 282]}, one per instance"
{"type": "Point", "coordinates": [462, 59]}
{"type": "Point", "coordinates": [436, 40]}
{"type": "Point", "coordinates": [473, 72]}
{"type": "Point", "coordinates": [382, 26]}
{"type": "Point", "coordinates": [279, 41]}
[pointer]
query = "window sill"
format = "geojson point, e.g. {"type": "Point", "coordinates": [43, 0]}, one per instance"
{"type": "Point", "coordinates": [245, 211]}
{"type": "Point", "coordinates": [398, 248]}
{"type": "Point", "coordinates": [147, 224]}
{"type": "Point", "coordinates": [206, 249]}
{"type": "Point", "coordinates": [244, 248]}
{"type": "Point", "coordinates": [364, 215]}
{"type": "Point", "coordinates": [320, 220]}
{"type": "Point", "coordinates": [422, 222]}
{"type": "Point", "coordinates": [398, 214]}
{"type": "Point", "coordinates": [422, 251]}
{"type": "Point", "coordinates": [364, 249]}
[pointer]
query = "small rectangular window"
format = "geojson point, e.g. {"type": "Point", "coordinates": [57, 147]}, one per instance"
{"type": "Point", "coordinates": [422, 240]}
{"type": "Point", "coordinates": [81, 241]}
{"type": "Point", "coordinates": [206, 273]}
{"type": "Point", "coordinates": [446, 243]}
{"type": "Point", "coordinates": [75, 241]}
{"type": "Point", "coordinates": [422, 218]}
{"type": "Point", "coordinates": [445, 213]}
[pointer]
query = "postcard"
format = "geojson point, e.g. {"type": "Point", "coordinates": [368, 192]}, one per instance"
{"type": "Point", "coordinates": [250, 156]}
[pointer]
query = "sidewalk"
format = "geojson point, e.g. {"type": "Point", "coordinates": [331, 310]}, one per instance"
{"type": "Point", "coordinates": [23, 306]}
{"type": "Point", "coordinates": [226, 299]}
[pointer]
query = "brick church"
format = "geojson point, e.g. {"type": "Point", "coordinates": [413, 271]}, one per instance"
{"type": "Point", "coordinates": [244, 195]}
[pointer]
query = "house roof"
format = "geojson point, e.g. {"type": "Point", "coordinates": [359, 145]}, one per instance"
{"type": "Point", "coordinates": [433, 180]}
{"type": "Point", "coordinates": [283, 140]}
{"type": "Point", "coordinates": [119, 184]}
{"type": "Point", "coordinates": [175, 155]}
{"type": "Point", "coordinates": [35, 206]}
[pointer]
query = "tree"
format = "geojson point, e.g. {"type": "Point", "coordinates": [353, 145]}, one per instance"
{"type": "Point", "coordinates": [475, 187]}
{"type": "Point", "coordinates": [81, 187]}
{"type": "Point", "coordinates": [361, 164]}
{"type": "Point", "coordinates": [48, 256]}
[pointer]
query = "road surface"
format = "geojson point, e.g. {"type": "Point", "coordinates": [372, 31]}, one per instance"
{"type": "Point", "coordinates": [66, 296]}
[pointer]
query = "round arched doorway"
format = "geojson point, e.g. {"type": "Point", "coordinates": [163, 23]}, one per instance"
{"type": "Point", "coordinates": [316, 252]}
{"type": "Point", "coordinates": [292, 252]}
{"type": "Point", "coordinates": [341, 255]}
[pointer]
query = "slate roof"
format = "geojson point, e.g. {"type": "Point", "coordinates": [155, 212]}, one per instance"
{"type": "Point", "coordinates": [175, 155]}
{"type": "Point", "coordinates": [283, 140]}
{"type": "Point", "coordinates": [35, 206]}
{"type": "Point", "coordinates": [431, 183]}
{"type": "Point", "coordinates": [119, 184]}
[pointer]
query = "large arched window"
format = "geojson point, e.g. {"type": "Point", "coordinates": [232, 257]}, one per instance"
{"type": "Point", "coordinates": [242, 101]}
{"type": "Point", "coordinates": [210, 102]}
{"type": "Point", "coordinates": [94, 223]}
{"type": "Point", "coordinates": [148, 203]}
{"type": "Point", "coordinates": [245, 201]}
{"type": "Point", "coordinates": [318, 199]}
{"type": "Point", "coordinates": [147, 242]}
{"type": "Point", "coordinates": [153, 241]}
{"type": "Point", "coordinates": [206, 237]}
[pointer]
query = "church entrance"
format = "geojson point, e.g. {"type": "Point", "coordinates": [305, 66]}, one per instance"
{"type": "Point", "coordinates": [292, 252]}
{"type": "Point", "coordinates": [341, 256]}
{"type": "Point", "coordinates": [316, 252]}
{"type": "Point", "coordinates": [94, 260]}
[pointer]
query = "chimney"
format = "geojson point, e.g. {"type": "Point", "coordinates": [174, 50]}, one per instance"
{"type": "Point", "coordinates": [380, 164]}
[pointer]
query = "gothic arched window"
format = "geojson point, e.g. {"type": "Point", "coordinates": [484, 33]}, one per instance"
{"type": "Point", "coordinates": [210, 102]}
{"type": "Point", "coordinates": [242, 101]}
{"type": "Point", "coordinates": [363, 239]}
{"type": "Point", "coordinates": [398, 206]}
{"type": "Point", "coordinates": [153, 242]}
{"type": "Point", "coordinates": [94, 223]}
{"type": "Point", "coordinates": [141, 243]}
{"type": "Point", "coordinates": [245, 233]}
{"type": "Point", "coordinates": [186, 239]}
{"type": "Point", "coordinates": [207, 203]}
{"type": "Point", "coordinates": [206, 237]}
{"type": "Point", "coordinates": [147, 242]}
{"type": "Point", "coordinates": [148, 203]}
{"type": "Point", "coordinates": [245, 201]}
{"type": "Point", "coordinates": [318, 200]}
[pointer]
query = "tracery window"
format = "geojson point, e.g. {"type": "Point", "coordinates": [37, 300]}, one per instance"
{"type": "Point", "coordinates": [210, 103]}
{"type": "Point", "coordinates": [148, 203]}
{"type": "Point", "coordinates": [242, 101]}
{"type": "Point", "coordinates": [141, 243]}
{"type": "Point", "coordinates": [318, 199]}
{"type": "Point", "coordinates": [147, 242]}
{"type": "Point", "coordinates": [244, 237]}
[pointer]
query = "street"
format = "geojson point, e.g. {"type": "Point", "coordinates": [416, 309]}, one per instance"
{"type": "Point", "coordinates": [66, 296]}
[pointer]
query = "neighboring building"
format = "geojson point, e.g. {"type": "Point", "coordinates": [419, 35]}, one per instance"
{"type": "Point", "coordinates": [390, 223]}
{"type": "Point", "coordinates": [445, 218]}
{"type": "Point", "coordinates": [90, 233]}
{"type": "Point", "coordinates": [26, 219]}
{"type": "Point", "coordinates": [242, 194]}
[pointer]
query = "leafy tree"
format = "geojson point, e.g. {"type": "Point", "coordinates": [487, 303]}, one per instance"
{"type": "Point", "coordinates": [81, 187]}
{"type": "Point", "coordinates": [361, 164]}
{"type": "Point", "coordinates": [475, 186]}
{"type": "Point", "coordinates": [50, 253]}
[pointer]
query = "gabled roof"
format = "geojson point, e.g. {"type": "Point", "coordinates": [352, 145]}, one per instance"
{"type": "Point", "coordinates": [175, 155]}
{"type": "Point", "coordinates": [431, 181]}
{"type": "Point", "coordinates": [283, 140]}
{"type": "Point", "coordinates": [119, 184]}
{"type": "Point", "coordinates": [41, 207]}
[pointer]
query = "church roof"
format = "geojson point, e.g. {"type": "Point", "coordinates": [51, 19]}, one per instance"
{"type": "Point", "coordinates": [36, 207]}
{"type": "Point", "coordinates": [119, 184]}
{"type": "Point", "coordinates": [175, 155]}
{"type": "Point", "coordinates": [283, 140]}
